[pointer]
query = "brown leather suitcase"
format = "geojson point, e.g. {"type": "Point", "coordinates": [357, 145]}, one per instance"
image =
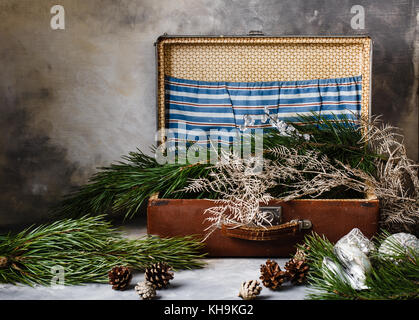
{"type": "Point", "coordinates": [332, 218]}
{"type": "Point", "coordinates": [221, 59]}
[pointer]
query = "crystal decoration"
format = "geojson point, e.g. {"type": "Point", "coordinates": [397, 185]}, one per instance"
{"type": "Point", "coordinates": [290, 129]}
{"type": "Point", "coordinates": [329, 264]}
{"type": "Point", "coordinates": [284, 129]}
{"type": "Point", "coordinates": [356, 264]}
{"type": "Point", "coordinates": [356, 238]}
{"type": "Point", "coordinates": [248, 121]}
{"type": "Point", "coordinates": [265, 116]}
{"type": "Point", "coordinates": [306, 137]}
{"type": "Point", "coordinates": [274, 118]}
{"type": "Point", "coordinates": [281, 126]}
{"type": "Point", "coordinates": [352, 251]}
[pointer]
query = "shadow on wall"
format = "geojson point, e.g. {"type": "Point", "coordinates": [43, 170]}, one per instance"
{"type": "Point", "coordinates": [33, 172]}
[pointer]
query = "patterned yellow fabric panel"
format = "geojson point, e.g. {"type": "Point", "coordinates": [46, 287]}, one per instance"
{"type": "Point", "coordinates": [266, 62]}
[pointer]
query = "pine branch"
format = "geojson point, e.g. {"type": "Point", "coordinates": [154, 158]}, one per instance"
{"type": "Point", "coordinates": [87, 248]}
{"type": "Point", "coordinates": [124, 186]}
{"type": "Point", "coordinates": [337, 138]}
{"type": "Point", "coordinates": [387, 280]}
{"type": "Point", "coordinates": [362, 150]}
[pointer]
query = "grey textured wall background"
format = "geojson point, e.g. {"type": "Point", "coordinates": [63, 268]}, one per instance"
{"type": "Point", "coordinates": [75, 99]}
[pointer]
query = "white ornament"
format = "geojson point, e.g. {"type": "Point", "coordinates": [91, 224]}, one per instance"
{"type": "Point", "coordinates": [407, 240]}
{"type": "Point", "coordinates": [329, 264]}
{"type": "Point", "coordinates": [356, 238]}
{"type": "Point", "coordinates": [341, 273]}
{"type": "Point", "coordinates": [356, 264]}
{"type": "Point", "coordinates": [352, 251]}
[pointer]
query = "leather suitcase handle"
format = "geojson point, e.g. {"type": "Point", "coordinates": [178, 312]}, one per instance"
{"type": "Point", "coordinates": [267, 233]}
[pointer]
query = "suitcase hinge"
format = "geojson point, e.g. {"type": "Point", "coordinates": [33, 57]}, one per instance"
{"type": "Point", "coordinates": [255, 33]}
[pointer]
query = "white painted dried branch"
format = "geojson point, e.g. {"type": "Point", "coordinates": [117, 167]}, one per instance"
{"type": "Point", "coordinates": [242, 188]}
{"type": "Point", "coordinates": [293, 170]}
{"type": "Point", "coordinates": [395, 184]}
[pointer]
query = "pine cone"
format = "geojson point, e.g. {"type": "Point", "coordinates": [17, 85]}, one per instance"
{"type": "Point", "coordinates": [271, 275]}
{"type": "Point", "coordinates": [297, 271]}
{"type": "Point", "coordinates": [159, 275]}
{"type": "Point", "coordinates": [3, 262]}
{"type": "Point", "coordinates": [250, 289]}
{"type": "Point", "coordinates": [145, 290]}
{"type": "Point", "coordinates": [301, 253]}
{"type": "Point", "coordinates": [120, 277]}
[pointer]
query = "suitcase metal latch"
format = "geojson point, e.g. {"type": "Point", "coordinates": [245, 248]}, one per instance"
{"type": "Point", "coordinates": [303, 224]}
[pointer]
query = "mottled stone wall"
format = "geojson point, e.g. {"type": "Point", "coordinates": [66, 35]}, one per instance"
{"type": "Point", "coordinates": [79, 98]}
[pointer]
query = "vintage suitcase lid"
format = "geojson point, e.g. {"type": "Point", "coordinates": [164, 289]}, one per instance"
{"type": "Point", "coordinates": [263, 58]}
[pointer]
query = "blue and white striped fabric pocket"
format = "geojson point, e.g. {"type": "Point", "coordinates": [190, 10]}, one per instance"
{"type": "Point", "coordinates": [201, 106]}
{"type": "Point", "coordinates": [194, 108]}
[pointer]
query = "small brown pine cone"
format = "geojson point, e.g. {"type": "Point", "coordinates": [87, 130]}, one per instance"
{"type": "Point", "coordinates": [271, 275]}
{"type": "Point", "coordinates": [3, 262]}
{"type": "Point", "coordinates": [120, 277]}
{"type": "Point", "coordinates": [159, 275]}
{"type": "Point", "coordinates": [297, 271]}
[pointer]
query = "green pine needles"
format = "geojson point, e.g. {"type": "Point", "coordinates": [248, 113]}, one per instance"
{"type": "Point", "coordinates": [387, 280]}
{"type": "Point", "coordinates": [124, 186]}
{"type": "Point", "coordinates": [86, 249]}
{"type": "Point", "coordinates": [338, 138]}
